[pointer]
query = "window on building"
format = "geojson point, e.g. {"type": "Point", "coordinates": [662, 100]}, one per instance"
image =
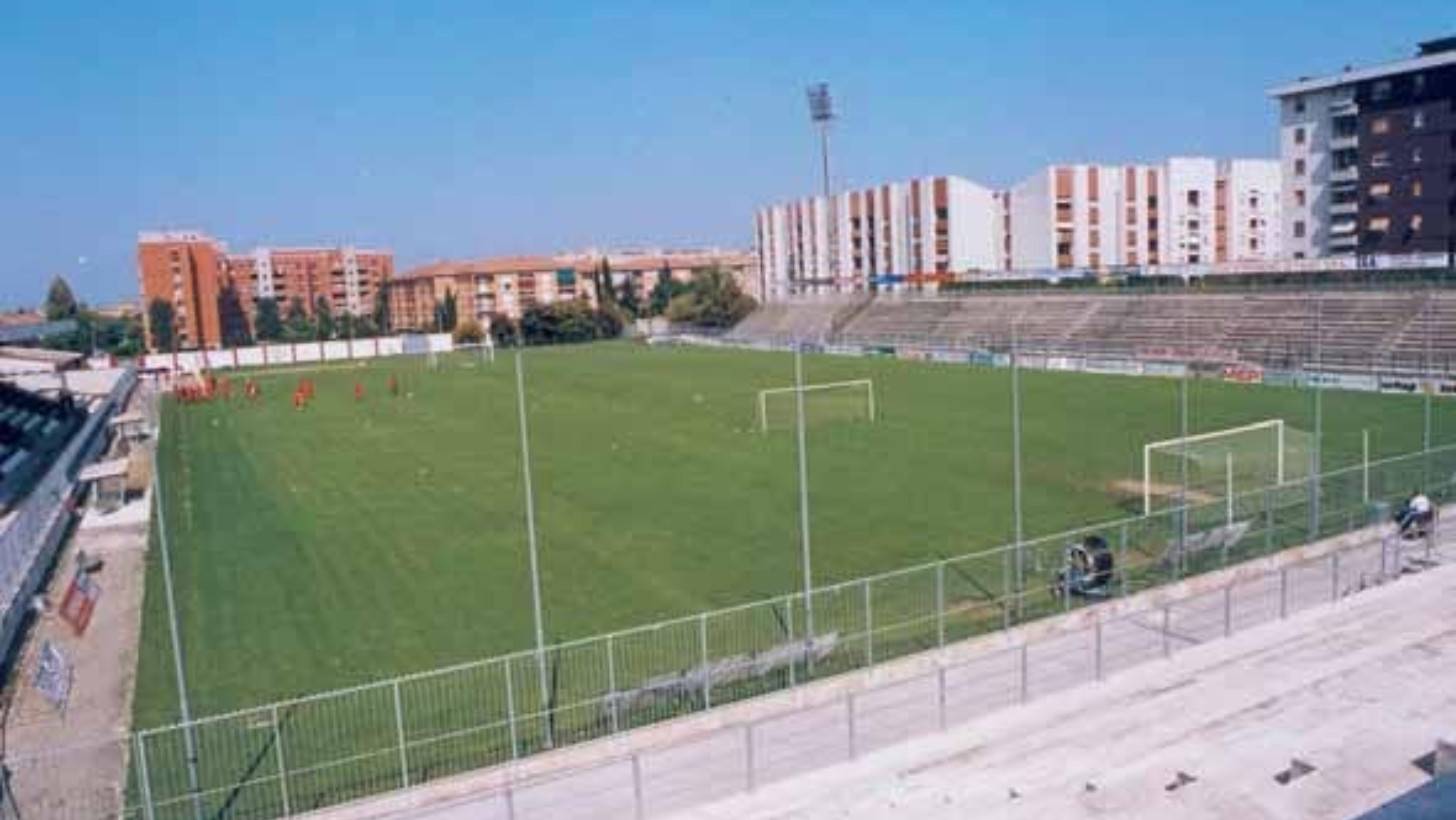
{"type": "Point", "coordinates": [1193, 199]}
{"type": "Point", "coordinates": [1300, 197]}
{"type": "Point", "coordinates": [1380, 190]}
{"type": "Point", "coordinates": [1416, 155]}
{"type": "Point", "coordinates": [1193, 259]}
{"type": "Point", "coordinates": [1378, 223]}
{"type": "Point", "coordinates": [1380, 159]}
{"type": "Point", "coordinates": [1380, 90]}
{"type": "Point", "coordinates": [1416, 222]}
{"type": "Point", "coordinates": [1418, 119]}
{"type": "Point", "coordinates": [1299, 229]}
{"type": "Point", "coordinates": [1299, 135]}
{"type": "Point", "coordinates": [1299, 167]}
{"type": "Point", "coordinates": [1418, 83]}
{"type": "Point", "coordinates": [1299, 105]}
{"type": "Point", "coordinates": [1253, 200]}
{"type": "Point", "coordinates": [1380, 125]}
{"type": "Point", "coordinates": [1253, 243]}
{"type": "Point", "coordinates": [1417, 188]}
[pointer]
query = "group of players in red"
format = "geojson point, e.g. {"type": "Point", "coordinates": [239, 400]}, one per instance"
{"type": "Point", "coordinates": [209, 388]}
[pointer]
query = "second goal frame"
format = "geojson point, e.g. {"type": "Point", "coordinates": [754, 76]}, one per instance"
{"type": "Point", "coordinates": [763, 395]}
{"type": "Point", "coordinates": [1277, 425]}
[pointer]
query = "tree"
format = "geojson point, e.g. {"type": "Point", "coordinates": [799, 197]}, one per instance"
{"type": "Point", "coordinates": [469, 332]}
{"type": "Point", "coordinates": [267, 324]}
{"type": "Point", "coordinates": [602, 281]}
{"type": "Point", "coordinates": [446, 313]}
{"type": "Point", "coordinates": [381, 311]}
{"type": "Point", "coordinates": [230, 315]}
{"type": "Point", "coordinates": [713, 299]}
{"type": "Point", "coordinates": [160, 318]}
{"type": "Point", "coordinates": [323, 317]}
{"type": "Point", "coordinates": [60, 302]}
{"type": "Point", "coordinates": [297, 327]}
{"type": "Point", "coordinates": [663, 292]}
{"type": "Point", "coordinates": [627, 299]}
{"type": "Point", "coordinates": [504, 330]}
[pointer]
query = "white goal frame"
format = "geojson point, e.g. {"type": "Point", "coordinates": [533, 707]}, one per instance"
{"type": "Point", "coordinates": [1276, 424]}
{"type": "Point", "coordinates": [763, 395]}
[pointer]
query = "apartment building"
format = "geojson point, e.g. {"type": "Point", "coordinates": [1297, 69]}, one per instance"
{"type": "Point", "coordinates": [1184, 211]}
{"type": "Point", "coordinates": [182, 268]}
{"type": "Point", "coordinates": [213, 293]}
{"type": "Point", "coordinates": [1369, 157]}
{"type": "Point", "coordinates": [916, 231]}
{"type": "Point", "coordinates": [508, 285]}
{"type": "Point", "coordinates": [350, 279]}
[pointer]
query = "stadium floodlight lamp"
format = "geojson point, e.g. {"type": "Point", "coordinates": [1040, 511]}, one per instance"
{"type": "Point", "coordinates": [821, 105]}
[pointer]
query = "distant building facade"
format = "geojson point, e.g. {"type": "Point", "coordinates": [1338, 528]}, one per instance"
{"type": "Point", "coordinates": [509, 285]}
{"type": "Point", "coordinates": [1369, 157]}
{"type": "Point", "coordinates": [1184, 211]}
{"type": "Point", "coordinates": [878, 237]}
{"type": "Point", "coordinates": [213, 293]}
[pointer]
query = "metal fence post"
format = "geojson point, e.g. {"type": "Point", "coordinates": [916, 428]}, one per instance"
{"type": "Point", "coordinates": [1334, 576]}
{"type": "Point", "coordinates": [1228, 610]}
{"type": "Point", "coordinates": [399, 730]}
{"type": "Point", "coordinates": [1097, 648]}
{"type": "Point", "coordinates": [149, 811]}
{"type": "Point", "coordinates": [703, 654]}
{"type": "Point", "coordinates": [282, 762]}
{"type": "Point", "coordinates": [1025, 689]}
{"type": "Point", "coordinates": [748, 774]}
{"type": "Point", "coordinates": [1283, 592]}
{"type": "Point", "coordinates": [1167, 643]}
{"type": "Point", "coordinates": [1122, 555]}
{"type": "Point", "coordinates": [940, 695]}
{"type": "Point", "coordinates": [789, 624]}
{"type": "Point", "coordinates": [940, 604]}
{"type": "Point", "coordinates": [849, 720]}
{"type": "Point", "coordinates": [1268, 521]}
{"type": "Point", "coordinates": [612, 681]}
{"type": "Point", "coordinates": [639, 810]}
{"type": "Point", "coordinates": [869, 625]}
{"type": "Point", "coordinates": [511, 712]}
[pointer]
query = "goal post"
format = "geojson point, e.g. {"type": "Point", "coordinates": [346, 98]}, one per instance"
{"type": "Point", "coordinates": [1222, 463]}
{"type": "Point", "coordinates": [853, 399]}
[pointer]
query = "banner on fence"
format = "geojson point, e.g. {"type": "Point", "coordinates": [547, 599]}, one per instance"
{"type": "Point", "coordinates": [80, 600]}
{"type": "Point", "coordinates": [1243, 373]}
{"type": "Point", "coordinates": [1063, 363]}
{"type": "Point", "coordinates": [1120, 367]}
{"type": "Point", "coordinates": [1398, 384]}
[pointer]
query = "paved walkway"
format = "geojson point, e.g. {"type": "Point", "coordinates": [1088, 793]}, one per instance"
{"type": "Point", "coordinates": [1356, 690]}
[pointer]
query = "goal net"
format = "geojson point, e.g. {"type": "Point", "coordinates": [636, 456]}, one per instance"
{"type": "Point", "coordinates": [1224, 463]}
{"type": "Point", "coordinates": [825, 402]}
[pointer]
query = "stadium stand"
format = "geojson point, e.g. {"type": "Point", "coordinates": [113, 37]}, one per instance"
{"type": "Point", "coordinates": [1357, 330]}
{"type": "Point", "coordinates": [33, 429]}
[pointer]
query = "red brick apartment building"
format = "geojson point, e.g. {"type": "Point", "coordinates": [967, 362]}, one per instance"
{"type": "Point", "coordinates": [507, 285]}
{"type": "Point", "coordinates": [192, 271]}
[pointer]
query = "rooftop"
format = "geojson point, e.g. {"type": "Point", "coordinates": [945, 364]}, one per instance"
{"type": "Point", "coordinates": [1432, 54]}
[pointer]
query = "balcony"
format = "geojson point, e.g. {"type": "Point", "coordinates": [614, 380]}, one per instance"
{"type": "Point", "coordinates": [1344, 242]}
{"type": "Point", "coordinates": [1343, 142]}
{"type": "Point", "coordinates": [1343, 227]}
{"type": "Point", "coordinates": [1348, 174]}
{"type": "Point", "coordinates": [1344, 208]}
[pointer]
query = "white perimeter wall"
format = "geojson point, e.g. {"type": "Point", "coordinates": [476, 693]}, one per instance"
{"type": "Point", "coordinates": [280, 355]}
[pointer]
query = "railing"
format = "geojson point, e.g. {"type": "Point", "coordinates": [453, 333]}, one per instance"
{"type": "Point", "coordinates": [324, 749]}
{"type": "Point", "coordinates": [29, 543]}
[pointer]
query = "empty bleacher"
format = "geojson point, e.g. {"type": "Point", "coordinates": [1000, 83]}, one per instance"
{"type": "Point", "coordinates": [1358, 330]}
{"type": "Point", "coordinates": [33, 428]}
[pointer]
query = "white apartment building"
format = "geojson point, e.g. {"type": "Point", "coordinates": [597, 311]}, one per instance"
{"type": "Point", "coordinates": [1084, 216]}
{"type": "Point", "coordinates": [1184, 211]}
{"type": "Point", "coordinates": [884, 237]}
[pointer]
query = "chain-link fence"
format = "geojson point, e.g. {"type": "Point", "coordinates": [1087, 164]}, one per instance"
{"type": "Point", "coordinates": [306, 753]}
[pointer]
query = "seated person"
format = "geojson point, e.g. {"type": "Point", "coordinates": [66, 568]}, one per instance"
{"type": "Point", "coordinates": [1416, 514]}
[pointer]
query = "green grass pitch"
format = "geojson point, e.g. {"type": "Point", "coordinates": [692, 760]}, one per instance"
{"type": "Point", "coordinates": [357, 540]}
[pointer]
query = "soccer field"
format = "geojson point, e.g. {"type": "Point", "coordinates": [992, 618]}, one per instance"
{"type": "Point", "coordinates": [359, 539]}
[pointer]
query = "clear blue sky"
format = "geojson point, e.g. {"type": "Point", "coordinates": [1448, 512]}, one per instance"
{"type": "Point", "coordinates": [446, 130]}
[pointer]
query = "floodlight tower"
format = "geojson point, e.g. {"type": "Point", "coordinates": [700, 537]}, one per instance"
{"type": "Point", "coordinates": [821, 113]}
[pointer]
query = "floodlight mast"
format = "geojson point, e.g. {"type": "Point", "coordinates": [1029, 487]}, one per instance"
{"type": "Point", "coordinates": [821, 113]}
